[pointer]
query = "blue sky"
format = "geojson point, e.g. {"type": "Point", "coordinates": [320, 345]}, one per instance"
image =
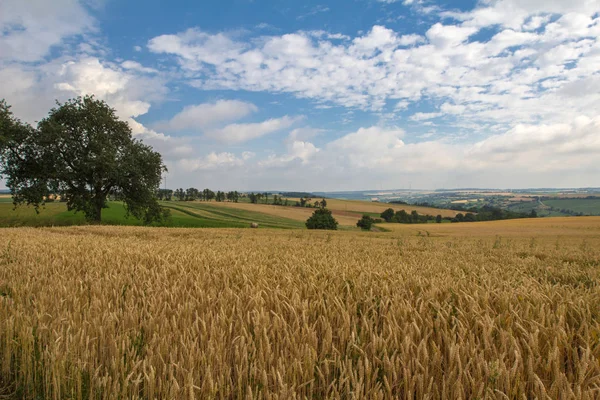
{"type": "Point", "coordinates": [326, 95]}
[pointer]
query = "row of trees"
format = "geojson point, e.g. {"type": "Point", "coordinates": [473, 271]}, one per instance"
{"type": "Point", "coordinates": [192, 194]}
{"type": "Point", "coordinates": [306, 202]}
{"type": "Point", "coordinates": [403, 217]}
{"type": "Point", "coordinates": [485, 213]}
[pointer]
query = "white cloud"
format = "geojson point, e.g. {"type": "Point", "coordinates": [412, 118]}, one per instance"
{"type": "Point", "coordinates": [29, 29]}
{"type": "Point", "coordinates": [297, 152]}
{"type": "Point", "coordinates": [443, 36]}
{"type": "Point", "coordinates": [525, 156]}
{"type": "Point", "coordinates": [421, 116]}
{"type": "Point", "coordinates": [303, 134]}
{"type": "Point", "coordinates": [513, 76]}
{"type": "Point", "coordinates": [202, 116]}
{"type": "Point", "coordinates": [211, 162]}
{"type": "Point", "coordinates": [239, 133]}
{"type": "Point", "coordinates": [136, 66]}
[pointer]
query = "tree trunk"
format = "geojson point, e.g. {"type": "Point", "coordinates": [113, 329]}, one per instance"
{"type": "Point", "coordinates": [97, 213]}
{"type": "Point", "coordinates": [98, 205]}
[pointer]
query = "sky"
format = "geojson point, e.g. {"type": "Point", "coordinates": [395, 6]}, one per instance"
{"type": "Point", "coordinates": [322, 95]}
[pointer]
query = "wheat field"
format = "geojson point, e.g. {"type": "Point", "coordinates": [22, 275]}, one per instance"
{"type": "Point", "coordinates": [156, 313]}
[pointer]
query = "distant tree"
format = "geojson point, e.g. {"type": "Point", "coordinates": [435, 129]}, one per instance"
{"type": "Point", "coordinates": [253, 198]}
{"type": "Point", "coordinates": [210, 195]}
{"type": "Point", "coordinates": [414, 217]}
{"type": "Point", "coordinates": [317, 204]}
{"type": "Point", "coordinates": [180, 194]}
{"type": "Point", "coordinates": [470, 217]}
{"type": "Point", "coordinates": [438, 219]}
{"type": "Point", "coordinates": [84, 152]}
{"type": "Point", "coordinates": [266, 196]}
{"type": "Point", "coordinates": [164, 194]}
{"type": "Point", "coordinates": [533, 214]}
{"type": "Point", "coordinates": [323, 203]}
{"type": "Point", "coordinates": [388, 215]}
{"type": "Point", "coordinates": [322, 219]}
{"type": "Point", "coordinates": [302, 202]}
{"type": "Point", "coordinates": [365, 223]}
{"type": "Point", "coordinates": [402, 217]}
{"type": "Point", "coordinates": [192, 194]}
{"type": "Point", "coordinates": [220, 196]}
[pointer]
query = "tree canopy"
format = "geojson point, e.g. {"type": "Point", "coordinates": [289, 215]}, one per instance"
{"type": "Point", "coordinates": [322, 219]}
{"type": "Point", "coordinates": [82, 152]}
{"type": "Point", "coordinates": [365, 223]}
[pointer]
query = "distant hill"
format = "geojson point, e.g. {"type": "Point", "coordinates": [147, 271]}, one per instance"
{"type": "Point", "coordinates": [298, 194]}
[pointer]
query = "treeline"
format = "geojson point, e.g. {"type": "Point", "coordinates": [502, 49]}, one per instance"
{"type": "Point", "coordinates": [278, 200]}
{"type": "Point", "coordinates": [307, 202]}
{"type": "Point", "coordinates": [453, 207]}
{"type": "Point", "coordinates": [297, 194]}
{"type": "Point", "coordinates": [192, 194]}
{"type": "Point", "coordinates": [485, 213]}
{"type": "Point", "coordinates": [402, 217]}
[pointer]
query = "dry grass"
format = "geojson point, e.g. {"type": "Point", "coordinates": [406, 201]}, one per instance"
{"type": "Point", "coordinates": [101, 312]}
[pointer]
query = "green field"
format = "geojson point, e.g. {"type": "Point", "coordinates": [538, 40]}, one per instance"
{"type": "Point", "coordinates": [585, 206]}
{"type": "Point", "coordinates": [542, 211]}
{"type": "Point", "coordinates": [183, 214]}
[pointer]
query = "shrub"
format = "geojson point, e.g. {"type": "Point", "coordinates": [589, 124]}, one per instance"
{"type": "Point", "coordinates": [322, 219]}
{"type": "Point", "coordinates": [365, 223]}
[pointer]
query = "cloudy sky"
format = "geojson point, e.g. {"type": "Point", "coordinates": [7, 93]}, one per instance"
{"type": "Point", "coordinates": [326, 95]}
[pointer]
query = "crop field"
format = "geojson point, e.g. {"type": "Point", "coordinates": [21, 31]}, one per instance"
{"type": "Point", "coordinates": [586, 206]}
{"type": "Point", "coordinates": [358, 206]}
{"type": "Point", "coordinates": [504, 309]}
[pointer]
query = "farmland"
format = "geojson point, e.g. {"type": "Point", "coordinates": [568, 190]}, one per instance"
{"type": "Point", "coordinates": [206, 214]}
{"type": "Point", "coordinates": [576, 205]}
{"type": "Point", "coordinates": [505, 309]}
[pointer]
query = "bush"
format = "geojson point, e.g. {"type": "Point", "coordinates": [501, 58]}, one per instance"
{"type": "Point", "coordinates": [322, 219]}
{"type": "Point", "coordinates": [388, 215]}
{"type": "Point", "coordinates": [365, 223]}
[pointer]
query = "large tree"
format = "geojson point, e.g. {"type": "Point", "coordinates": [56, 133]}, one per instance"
{"type": "Point", "coordinates": [83, 152]}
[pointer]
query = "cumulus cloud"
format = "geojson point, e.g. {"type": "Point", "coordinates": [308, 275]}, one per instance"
{"type": "Point", "coordinates": [239, 133]}
{"type": "Point", "coordinates": [202, 116]}
{"type": "Point", "coordinates": [514, 74]}
{"type": "Point", "coordinates": [303, 134]}
{"type": "Point", "coordinates": [549, 153]}
{"type": "Point", "coordinates": [29, 29]}
{"type": "Point", "coordinates": [211, 162]}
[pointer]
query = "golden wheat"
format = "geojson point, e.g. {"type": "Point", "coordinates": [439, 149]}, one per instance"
{"type": "Point", "coordinates": [106, 313]}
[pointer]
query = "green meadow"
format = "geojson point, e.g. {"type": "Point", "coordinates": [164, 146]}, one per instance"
{"type": "Point", "coordinates": [183, 214]}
